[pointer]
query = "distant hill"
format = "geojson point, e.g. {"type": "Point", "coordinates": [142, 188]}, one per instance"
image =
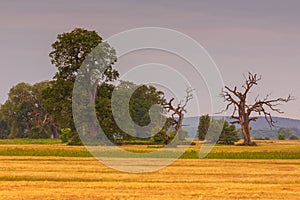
{"type": "Point", "coordinates": [260, 128]}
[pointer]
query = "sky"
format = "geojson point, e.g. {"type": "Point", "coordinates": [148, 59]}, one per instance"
{"type": "Point", "coordinates": [260, 36]}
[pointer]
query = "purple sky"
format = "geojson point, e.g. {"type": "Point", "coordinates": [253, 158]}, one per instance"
{"type": "Point", "coordinates": [258, 36]}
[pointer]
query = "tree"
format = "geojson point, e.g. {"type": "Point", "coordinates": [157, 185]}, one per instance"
{"type": "Point", "coordinates": [4, 128]}
{"type": "Point", "coordinates": [24, 111]}
{"type": "Point", "coordinates": [177, 112]}
{"type": "Point", "coordinates": [70, 50]}
{"type": "Point", "coordinates": [143, 98]}
{"type": "Point", "coordinates": [203, 126]}
{"type": "Point", "coordinates": [242, 110]}
{"type": "Point", "coordinates": [58, 104]}
{"type": "Point", "coordinates": [140, 97]}
{"type": "Point", "coordinates": [75, 56]}
{"type": "Point", "coordinates": [229, 134]}
{"type": "Point", "coordinates": [17, 110]}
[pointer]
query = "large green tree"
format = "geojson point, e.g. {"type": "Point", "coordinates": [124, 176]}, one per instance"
{"type": "Point", "coordinates": [139, 105]}
{"type": "Point", "coordinates": [24, 111]}
{"type": "Point", "coordinates": [75, 55]}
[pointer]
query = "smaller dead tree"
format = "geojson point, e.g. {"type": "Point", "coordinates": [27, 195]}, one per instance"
{"type": "Point", "coordinates": [242, 111]}
{"type": "Point", "coordinates": [177, 111]}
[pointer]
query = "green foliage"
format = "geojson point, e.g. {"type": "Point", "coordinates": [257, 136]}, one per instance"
{"type": "Point", "coordinates": [228, 135]}
{"type": "Point", "coordinates": [203, 126]}
{"type": "Point", "coordinates": [139, 104]}
{"type": "Point", "coordinates": [37, 133]}
{"type": "Point", "coordinates": [65, 134]}
{"type": "Point", "coordinates": [281, 136]}
{"type": "Point", "coordinates": [159, 138]}
{"type": "Point", "coordinates": [58, 103]}
{"type": "Point", "coordinates": [70, 50]}
{"type": "Point", "coordinates": [24, 112]}
{"type": "Point", "coordinates": [143, 98]}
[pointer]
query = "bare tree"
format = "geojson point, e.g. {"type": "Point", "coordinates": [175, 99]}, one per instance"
{"type": "Point", "coordinates": [242, 110]}
{"type": "Point", "coordinates": [177, 111]}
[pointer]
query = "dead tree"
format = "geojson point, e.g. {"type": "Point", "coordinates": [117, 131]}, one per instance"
{"type": "Point", "coordinates": [242, 111]}
{"type": "Point", "coordinates": [177, 111]}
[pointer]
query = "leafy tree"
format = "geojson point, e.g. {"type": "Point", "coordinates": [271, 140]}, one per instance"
{"type": "Point", "coordinates": [73, 51]}
{"type": "Point", "coordinates": [70, 50]}
{"type": "Point", "coordinates": [58, 103]}
{"type": "Point", "coordinates": [139, 104]}
{"type": "Point", "coordinates": [24, 111]}
{"type": "Point", "coordinates": [17, 110]}
{"type": "Point", "coordinates": [203, 126]}
{"type": "Point", "coordinates": [143, 98]}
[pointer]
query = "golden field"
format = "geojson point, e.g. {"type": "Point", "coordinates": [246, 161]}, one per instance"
{"type": "Point", "coordinates": [54, 177]}
{"type": "Point", "coordinates": [86, 178]}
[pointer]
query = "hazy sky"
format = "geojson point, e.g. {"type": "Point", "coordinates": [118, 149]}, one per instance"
{"type": "Point", "coordinates": [259, 36]}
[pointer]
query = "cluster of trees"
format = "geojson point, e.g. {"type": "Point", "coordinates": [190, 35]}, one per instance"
{"type": "Point", "coordinates": [287, 133]}
{"type": "Point", "coordinates": [44, 110]}
{"type": "Point", "coordinates": [229, 133]}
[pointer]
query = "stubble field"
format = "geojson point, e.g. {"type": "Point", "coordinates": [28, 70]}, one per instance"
{"type": "Point", "coordinates": [79, 176]}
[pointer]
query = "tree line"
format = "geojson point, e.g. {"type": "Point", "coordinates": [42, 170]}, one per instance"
{"type": "Point", "coordinates": [44, 109]}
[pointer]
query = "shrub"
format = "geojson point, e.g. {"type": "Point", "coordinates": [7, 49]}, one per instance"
{"type": "Point", "coordinates": [158, 138]}
{"type": "Point", "coordinates": [65, 134]}
{"type": "Point", "coordinates": [281, 136]}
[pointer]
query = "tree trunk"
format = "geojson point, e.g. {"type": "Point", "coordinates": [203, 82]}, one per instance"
{"type": "Point", "coordinates": [246, 132]}
{"type": "Point", "coordinates": [54, 130]}
{"type": "Point", "coordinates": [92, 123]}
{"type": "Point", "coordinates": [179, 124]}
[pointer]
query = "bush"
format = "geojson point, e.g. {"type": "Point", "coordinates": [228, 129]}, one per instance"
{"type": "Point", "coordinates": [158, 138]}
{"type": "Point", "coordinates": [65, 134]}
{"type": "Point", "coordinates": [281, 136]}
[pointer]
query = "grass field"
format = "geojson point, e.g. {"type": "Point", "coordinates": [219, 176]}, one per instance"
{"type": "Point", "coordinates": [56, 171]}
{"type": "Point", "coordinates": [264, 150]}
